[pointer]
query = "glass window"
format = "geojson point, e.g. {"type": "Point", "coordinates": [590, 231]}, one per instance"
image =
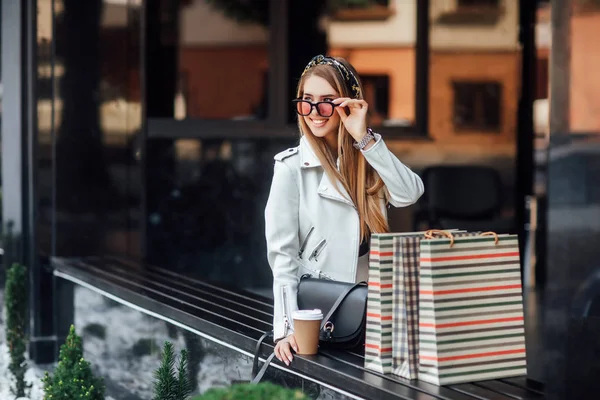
{"type": "Point", "coordinates": [218, 42]}
{"type": "Point", "coordinates": [206, 209]}
{"type": "Point", "coordinates": [474, 89]}
{"type": "Point", "coordinates": [379, 40]}
{"type": "Point", "coordinates": [89, 119]}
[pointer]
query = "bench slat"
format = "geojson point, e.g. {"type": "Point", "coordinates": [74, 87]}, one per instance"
{"type": "Point", "coordinates": [213, 314]}
{"type": "Point", "coordinates": [478, 392]}
{"type": "Point", "coordinates": [439, 391]}
{"type": "Point", "coordinates": [235, 294]}
{"type": "Point", "coordinates": [189, 293]}
{"type": "Point", "coordinates": [525, 383]}
{"type": "Point", "coordinates": [511, 391]}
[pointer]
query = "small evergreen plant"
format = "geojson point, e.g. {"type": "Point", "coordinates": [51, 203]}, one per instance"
{"type": "Point", "coordinates": [261, 391]}
{"type": "Point", "coordinates": [73, 377]}
{"type": "Point", "coordinates": [16, 311]}
{"type": "Point", "coordinates": [170, 384]}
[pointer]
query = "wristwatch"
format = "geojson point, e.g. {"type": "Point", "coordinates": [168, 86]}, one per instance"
{"type": "Point", "coordinates": [365, 140]}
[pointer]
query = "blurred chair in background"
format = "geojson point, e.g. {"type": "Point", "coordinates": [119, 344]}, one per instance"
{"type": "Point", "coordinates": [463, 197]}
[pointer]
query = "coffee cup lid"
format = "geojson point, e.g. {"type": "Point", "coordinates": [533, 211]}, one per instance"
{"type": "Point", "coordinates": [308, 315]}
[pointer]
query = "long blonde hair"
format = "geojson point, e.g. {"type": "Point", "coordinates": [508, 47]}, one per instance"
{"type": "Point", "coordinates": [359, 179]}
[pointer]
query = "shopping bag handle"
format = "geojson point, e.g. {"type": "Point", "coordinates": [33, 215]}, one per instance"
{"type": "Point", "coordinates": [490, 233]}
{"type": "Point", "coordinates": [431, 232]}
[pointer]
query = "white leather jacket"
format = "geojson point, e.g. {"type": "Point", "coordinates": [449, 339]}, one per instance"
{"type": "Point", "coordinates": [312, 228]}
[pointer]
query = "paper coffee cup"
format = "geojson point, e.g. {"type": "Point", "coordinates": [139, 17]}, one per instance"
{"type": "Point", "coordinates": [307, 324]}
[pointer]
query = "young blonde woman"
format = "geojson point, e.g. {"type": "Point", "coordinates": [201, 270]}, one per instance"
{"type": "Point", "coordinates": [329, 193]}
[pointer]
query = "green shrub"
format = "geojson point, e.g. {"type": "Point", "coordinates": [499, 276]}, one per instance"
{"type": "Point", "coordinates": [170, 384]}
{"type": "Point", "coordinates": [246, 391]}
{"type": "Point", "coordinates": [72, 378]}
{"type": "Point", "coordinates": [16, 338]}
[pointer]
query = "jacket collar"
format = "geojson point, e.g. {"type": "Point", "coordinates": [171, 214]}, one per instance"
{"type": "Point", "coordinates": [326, 188]}
{"type": "Point", "coordinates": [308, 158]}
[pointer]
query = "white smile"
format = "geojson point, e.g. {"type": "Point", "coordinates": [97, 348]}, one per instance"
{"type": "Point", "coordinates": [319, 122]}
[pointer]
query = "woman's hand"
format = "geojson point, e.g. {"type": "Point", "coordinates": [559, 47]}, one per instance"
{"type": "Point", "coordinates": [283, 349]}
{"type": "Point", "coordinates": [356, 121]}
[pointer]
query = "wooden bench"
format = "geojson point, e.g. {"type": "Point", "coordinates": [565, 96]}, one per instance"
{"type": "Point", "coordinates": [228, 315]}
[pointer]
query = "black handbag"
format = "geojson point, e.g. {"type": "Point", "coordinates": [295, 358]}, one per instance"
{"type": "Point", "coordinates": [344, 306]}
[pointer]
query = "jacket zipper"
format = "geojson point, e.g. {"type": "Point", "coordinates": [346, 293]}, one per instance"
{"type": "Point", "coordinates": [355, 269]}
{"type": "Point", "coordinates": [305, 242]}
{"type": "Point", "coordinates": [317, 250]}
{"type": "Point", "coordinates": [286, 311]}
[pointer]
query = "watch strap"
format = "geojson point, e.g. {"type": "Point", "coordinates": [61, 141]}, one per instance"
{"type": "Point", "coordinates": [365, 140]}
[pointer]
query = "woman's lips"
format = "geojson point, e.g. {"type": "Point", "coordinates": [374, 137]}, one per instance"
{"type": "Point", "coordinates": [319, 123]}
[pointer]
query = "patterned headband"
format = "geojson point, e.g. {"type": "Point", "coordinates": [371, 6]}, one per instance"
{"type": "Point", "coordinates": [347, 75]}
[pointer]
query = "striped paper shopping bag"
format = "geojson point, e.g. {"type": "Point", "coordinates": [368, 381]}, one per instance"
{"type": "Point", "coordinates": [405, 300]}
{"type": "Point", "coordinates": [378, 338]}
{"type": "Point", "coordinates": [471, 324]}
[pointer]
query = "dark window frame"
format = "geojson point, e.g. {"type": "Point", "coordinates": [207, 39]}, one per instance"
{"type": "Point", "coordinates": [543, 76]}
{"type": "Point", "coordinates": [469, 12]}
{"type": "Point", "coordinates": [471, 4]}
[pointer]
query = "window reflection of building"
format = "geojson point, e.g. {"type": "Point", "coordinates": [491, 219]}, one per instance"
{"type": "Point", "coordinates": [224, 62]}
{"type": "Point", "coordinates": [377, 88]}
{"type": "Point", "coordinates": [383, 50]}
{"type": "Point", "coordinates": [382, 47]}
{"type": "Point", "coordinates": [477, 106]}
{"type": "Point", "coordinates": [584, 79]}
{"type": "Point", "coordinates": [372, 10]}
{"type": "Point", "coordinates": [120, 112]}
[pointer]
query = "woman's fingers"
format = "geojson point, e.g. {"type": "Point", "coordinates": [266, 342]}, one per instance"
{"type": "Point", "coordinates": [354, 103]}
{"type": "Point", "coordinates": [283, 352]}
{"type": "Point", "coordinates": [277, 351]}
{"type": "Point", "coordinates": [340, 100]}
{"type": "Point", "coordinates": [342, 113]}
{"type": "Point", "coordinates": [347, 101]}
{"type": "Point", "coordinates": [283, 349]}
{"type": "Point", "coordinates": [286, 354]}
{"type": "Point", "coordinates": [293, 343]}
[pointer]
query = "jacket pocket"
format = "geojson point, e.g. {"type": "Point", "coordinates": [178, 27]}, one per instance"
{"type": "Point", "coordinates": [314, 255]}
{"type": "Point", "coordinates": [305, 242]}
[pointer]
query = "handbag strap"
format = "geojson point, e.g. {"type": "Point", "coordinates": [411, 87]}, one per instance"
{"type": "Point", "coordinates": [338, 302]}
{"type": "Point", "coordinates": [256, 374]}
